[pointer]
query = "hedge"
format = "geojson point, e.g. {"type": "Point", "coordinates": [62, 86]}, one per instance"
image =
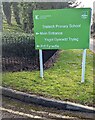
{"type": "Point", "coordinates": [18, 51]}
{"type": "Point", "coordinates": [18, 45]}
{"type": "Point", "coordinates": [21, 47]}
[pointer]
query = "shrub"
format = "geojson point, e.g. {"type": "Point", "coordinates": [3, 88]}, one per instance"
{"type": "Point", "coordinates": [18, 52]}
{"type": "Point", "coordinates": [18, 45]}
{"type": "Point", "coordinates": [18, 48]}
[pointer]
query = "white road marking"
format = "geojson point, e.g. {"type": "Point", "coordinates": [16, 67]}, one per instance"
{"type": "Point", "coordinates": [51, 114]}
{"type": "Point", "coordinates": [21, 113]}
{"type": "Point", "coordinates": [37, 117]}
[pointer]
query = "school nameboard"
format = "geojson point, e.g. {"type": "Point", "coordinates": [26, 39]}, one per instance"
{"type": "Point", "coordinates": [62, 28]}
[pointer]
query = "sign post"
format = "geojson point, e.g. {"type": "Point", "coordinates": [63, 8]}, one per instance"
{"type": "Point", "coordinates": [83, 66]}
{"type": "Point", "coordinates": [41, 63]}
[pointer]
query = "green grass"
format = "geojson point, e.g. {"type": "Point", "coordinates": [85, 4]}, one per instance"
{"type": "Point", "coordinates": [62, 81]}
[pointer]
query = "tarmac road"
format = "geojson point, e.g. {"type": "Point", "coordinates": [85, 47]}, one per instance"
{"type": "Point", "coordinates": [16, 109]}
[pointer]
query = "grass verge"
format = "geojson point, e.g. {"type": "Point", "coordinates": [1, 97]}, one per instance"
{"type": "Point", "coordinates": [62, 81]}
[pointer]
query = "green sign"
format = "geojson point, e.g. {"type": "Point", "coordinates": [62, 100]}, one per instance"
{"type": "Point", "coordinates": [62, 28]}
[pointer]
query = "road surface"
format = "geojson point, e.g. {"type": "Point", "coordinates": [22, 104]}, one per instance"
{"type": "Point", "coordinates": [16, 109]}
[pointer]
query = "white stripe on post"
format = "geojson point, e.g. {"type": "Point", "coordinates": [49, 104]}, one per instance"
{"type": "Point", "coordinates": [41, 63]}
{"type": "Point", "coordinates": [83, 66]}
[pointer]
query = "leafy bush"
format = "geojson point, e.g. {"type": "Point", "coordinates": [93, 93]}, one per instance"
{"type": "Point", "coordinates": [18, 45]}
{"type": "Point", "coordinates": [18, 52]}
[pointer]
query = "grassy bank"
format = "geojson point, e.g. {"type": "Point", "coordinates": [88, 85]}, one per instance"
{"type": "Point", "coordinates": [62, 81]}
